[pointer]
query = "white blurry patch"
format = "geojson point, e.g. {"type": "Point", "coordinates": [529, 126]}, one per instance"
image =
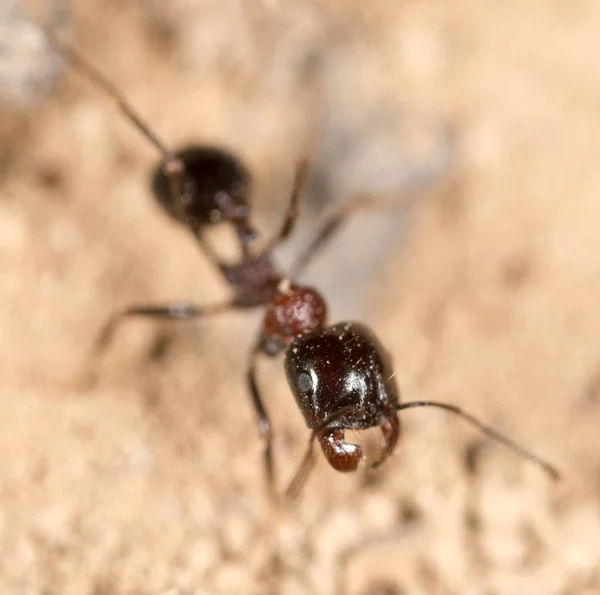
{"type": "Point", "coordinates": [29, 65]}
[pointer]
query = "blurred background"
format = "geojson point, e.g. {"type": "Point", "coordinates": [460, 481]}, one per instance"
{"type": "Point", "coordinates": [141, 471]}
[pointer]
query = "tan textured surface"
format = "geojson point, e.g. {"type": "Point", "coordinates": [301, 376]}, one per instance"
{"type": "Point", "coordinates": [151, 481]}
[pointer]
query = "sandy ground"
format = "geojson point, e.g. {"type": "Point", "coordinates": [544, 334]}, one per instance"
{"type": "Point", "coordinates": [150, 480]}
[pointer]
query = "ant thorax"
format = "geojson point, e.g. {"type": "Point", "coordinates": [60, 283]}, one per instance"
{"type": "Point", "coordinates": [293, 311]}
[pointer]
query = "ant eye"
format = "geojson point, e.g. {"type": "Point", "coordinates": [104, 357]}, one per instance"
{"type": "Point", "coordinates": [306, 383]}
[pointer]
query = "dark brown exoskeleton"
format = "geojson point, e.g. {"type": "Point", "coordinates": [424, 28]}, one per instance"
{"type": "Point", "coordinates": [217, 186]}
{"type": "Point", "coordinates": [341, 376]}
{"type": "Point", "coordinates": [344, 369]}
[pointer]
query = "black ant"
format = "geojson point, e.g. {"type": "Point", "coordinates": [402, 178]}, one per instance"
{"type": "Point", "coordinates": [341, 375]}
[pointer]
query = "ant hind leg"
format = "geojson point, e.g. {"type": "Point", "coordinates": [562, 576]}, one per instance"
{"type": "Point", "coordinates": [176, 311]}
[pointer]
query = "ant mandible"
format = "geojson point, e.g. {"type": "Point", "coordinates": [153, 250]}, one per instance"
{"type": "Point", "coordinates": [341, 376]}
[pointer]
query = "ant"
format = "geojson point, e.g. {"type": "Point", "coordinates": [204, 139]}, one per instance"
{"type": "Point", "coordinates": [340, 375]}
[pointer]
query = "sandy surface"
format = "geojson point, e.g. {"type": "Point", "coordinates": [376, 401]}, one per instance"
{"type": "Point", "coordinates": [150, 479]}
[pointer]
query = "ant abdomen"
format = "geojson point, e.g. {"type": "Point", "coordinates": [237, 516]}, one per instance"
{"type": "Point", "coordinates": [216, 185]}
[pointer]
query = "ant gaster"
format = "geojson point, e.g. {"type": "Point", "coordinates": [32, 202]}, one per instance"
{"type": "Point", "coordinates": [341, 375]}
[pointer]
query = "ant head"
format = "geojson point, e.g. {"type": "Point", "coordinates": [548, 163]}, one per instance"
{"type": "Point", "coordinates": [215, 188]}
{"type": "Point", "coordinates": [342, 378]}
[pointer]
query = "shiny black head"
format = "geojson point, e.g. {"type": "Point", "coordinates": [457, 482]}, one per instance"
{"type": "Point", "coordinates": [342, 379]}
{"type": "Point", "coordinates": [216, 183]}
{"type": "Point", "coordinates": [341, 373]}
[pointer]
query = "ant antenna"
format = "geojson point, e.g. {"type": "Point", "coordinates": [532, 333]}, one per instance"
{"type": "Point", "coordinates": [90, 72]}
{"type": "Point", "coordinates": [488, 431]}
{"type": "Point", "coordinates": [172, 165]}
{"type": "Point", "coordinates": [301, 475]}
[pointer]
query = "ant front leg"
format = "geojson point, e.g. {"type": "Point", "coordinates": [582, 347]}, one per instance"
{"type": "Point", "coordinates": [329, 228]}
{"type": "Point", "coordinates": [178, 311]}
{"type": "Point", "coordinates": [424, 175]}
{"type": "Point", "coordinates": [292, 211]}
{"type": "Point", "coordinates": [264, 424]}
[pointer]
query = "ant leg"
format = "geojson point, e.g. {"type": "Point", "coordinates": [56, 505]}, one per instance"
{"type": "Point", "coordinates": [299, 479]}
{"type": "Point", "coordinates": [264, 425]}
{"type": "Point", "coordinates": [328, 229]}
{"type": "Point", "coordinates": [334, 448]}
{"type": "Point", "coordinates": [292, 211]}
{"type": "Point", "coordinates": [179, 311]}
{"type": "Point", "coordinates": [341, 455]}
{"type": "Point", "coordinates": [433, 168]}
